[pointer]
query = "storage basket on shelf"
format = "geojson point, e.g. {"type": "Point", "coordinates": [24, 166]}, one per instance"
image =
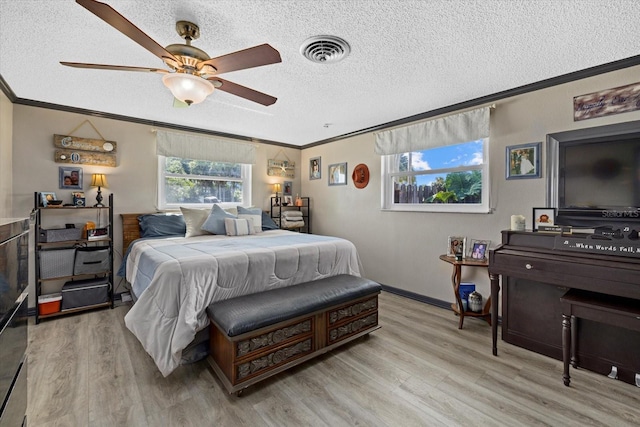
{"type": "Point", "coordinates": [82, 293]}
{"type": "Point", "coordinates": [56, 262]}
{"type": "Point", "coordinates": [60, 234]}
{"type": "Point", "coordinates": [91, 259]}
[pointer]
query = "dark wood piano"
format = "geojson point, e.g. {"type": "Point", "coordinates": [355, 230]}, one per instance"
{"type": "Point", "coordinates": [536, 271]}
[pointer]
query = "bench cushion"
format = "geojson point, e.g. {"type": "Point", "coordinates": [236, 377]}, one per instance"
{"type": "Point", "coordinates": [247, 313]}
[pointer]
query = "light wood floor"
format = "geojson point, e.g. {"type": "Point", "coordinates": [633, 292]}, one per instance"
{"type": "Point", "coordinates": [418, 370]}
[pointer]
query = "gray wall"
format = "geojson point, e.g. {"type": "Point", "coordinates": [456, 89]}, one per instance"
{"type": "Point", "coordinates": [398, 249]}
{"type": "Point", "coordinates": [133, 180]}
{"type": "Point", "coordinates": [401, 249]}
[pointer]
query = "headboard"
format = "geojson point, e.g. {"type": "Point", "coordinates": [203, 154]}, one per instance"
{"type": "Point", "coordinates": [130, 229]}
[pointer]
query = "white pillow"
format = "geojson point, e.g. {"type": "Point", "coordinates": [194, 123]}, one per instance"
{"type": "Point", "coordinates": [194, 218]}
{"type": "Point", "coordinates": [253, 214]}
{"type": "Point", "coordinates": [238, 227]}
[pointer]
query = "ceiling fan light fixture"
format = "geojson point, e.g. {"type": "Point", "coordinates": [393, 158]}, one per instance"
{"type": "Point", "coordinates": [188, 88]}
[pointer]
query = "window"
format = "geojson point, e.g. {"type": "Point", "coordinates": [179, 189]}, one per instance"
{"type": "Point", "coordinates": [450, 178]}
{"type": "Point", "coordinates": [193, 183]}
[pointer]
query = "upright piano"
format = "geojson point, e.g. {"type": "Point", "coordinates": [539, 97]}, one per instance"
{"type": "Point", "coordinates": [538, 268]}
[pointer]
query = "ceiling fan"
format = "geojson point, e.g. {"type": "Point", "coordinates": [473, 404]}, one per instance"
{"type": "Point", "coordinates": [194, 74]}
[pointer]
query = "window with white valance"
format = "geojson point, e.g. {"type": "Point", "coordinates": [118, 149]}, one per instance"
{"type": "Point", "coordinates": [198, 171]}
{"type": "Point", "coordinates": [186, 146]}
{"type": "Point", "coordinates": [439, 165]}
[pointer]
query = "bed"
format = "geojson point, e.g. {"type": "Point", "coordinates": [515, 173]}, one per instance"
{"type": "Point", "coordinates": [175, 278]}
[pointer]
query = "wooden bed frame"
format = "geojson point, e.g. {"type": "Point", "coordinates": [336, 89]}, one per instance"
{"type": "Point", "coordinates": [130, 229]}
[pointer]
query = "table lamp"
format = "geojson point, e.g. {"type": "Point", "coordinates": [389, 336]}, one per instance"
{"type": "Point", "coordinates": [99, 180]}
{"type": "Point", "coordinates": [276, 189]}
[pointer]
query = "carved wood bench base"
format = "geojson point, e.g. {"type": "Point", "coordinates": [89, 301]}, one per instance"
{"type": "Point", "coordinates": [246, 359]}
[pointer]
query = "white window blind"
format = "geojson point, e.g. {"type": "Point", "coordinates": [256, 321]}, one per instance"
{"type": "Point", "coordinates": [449, 130]}
{"type": "Point", "coordinates": [187, 146]}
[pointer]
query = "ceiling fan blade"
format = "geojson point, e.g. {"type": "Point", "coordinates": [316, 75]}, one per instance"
{"type": "Point", "coordinates": [255, 56]}
{"type": "Point", "coordinates": [113, 67]}
{"type": "Point", "coordinates": [242, 91]}
{"type": "Point", "coordinates": [122, 24]}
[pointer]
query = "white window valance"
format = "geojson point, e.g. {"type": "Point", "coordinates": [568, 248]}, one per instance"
{"type": "Point", "coordinates": [449, 130]}
{"type": "Point", "coordinates": [188, 146]}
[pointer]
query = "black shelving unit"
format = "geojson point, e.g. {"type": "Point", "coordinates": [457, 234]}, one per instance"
{"type": "Point", "coordinates": [57, 281]}
{"type": "Point", "coordinates": [277, 211]}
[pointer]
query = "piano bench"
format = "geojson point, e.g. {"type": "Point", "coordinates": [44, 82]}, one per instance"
{"type": "Point", "coordinates": [608, 309]}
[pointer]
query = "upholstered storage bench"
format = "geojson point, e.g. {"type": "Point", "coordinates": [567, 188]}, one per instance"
{"type": "Point", "coordinates": [256, 336]}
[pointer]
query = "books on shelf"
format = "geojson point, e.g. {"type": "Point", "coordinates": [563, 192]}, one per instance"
{"type": "Point", "coordinates": [98, 234]}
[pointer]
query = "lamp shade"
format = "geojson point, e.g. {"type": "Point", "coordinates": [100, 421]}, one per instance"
{"type": "Point", "coordinates": [188, 88]}
{"type": "Point", "coordinates": [99, 180]}
{"type": "Point", "coordinates": [276, 188]}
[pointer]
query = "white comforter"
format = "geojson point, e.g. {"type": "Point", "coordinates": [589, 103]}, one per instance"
{"type": "Point", "coordinates": [176, 279]}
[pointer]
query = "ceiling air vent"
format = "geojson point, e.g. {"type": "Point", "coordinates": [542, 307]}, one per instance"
{"type": "Point", "coordinates": [325, 49]}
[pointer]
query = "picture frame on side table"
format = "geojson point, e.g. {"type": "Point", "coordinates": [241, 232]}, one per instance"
{"type": "Point", "coordinates": [523, 161]}
{"type": "Point", "coordinates": [70, 177]}
{"type": "Point", "coordinates": [338, 174]}
{"type": "Point", "coordinates": [455, 246]}
{"type": "Point", "coordinates": [479, 250]}
{"type": "Point", "coordinates": [543, 216]}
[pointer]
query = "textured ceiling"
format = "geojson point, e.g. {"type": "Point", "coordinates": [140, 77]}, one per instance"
{"type": "Point", "coordinates": [407, 57]}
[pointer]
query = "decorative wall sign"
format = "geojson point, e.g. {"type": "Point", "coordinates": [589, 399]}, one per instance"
{"type": "Point", "coordinates": [611, 101]}
{"type": "Point", "coordinates": [283, 168]}
{"type": "Point", "coordinates": [617, 246]}
{"type": "Point", "coordinates": [84, 144]}
{"type": "Point", "coordinates": [72, 149]}
{"type": "Point", "coordinates": [85, 158]}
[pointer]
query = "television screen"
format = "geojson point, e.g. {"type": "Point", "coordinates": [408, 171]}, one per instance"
{"type": "Point", "coordinates": [601, 174]}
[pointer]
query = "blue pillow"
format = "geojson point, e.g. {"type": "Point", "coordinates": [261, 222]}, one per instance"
{"type": "Point", "coordinates": [268, 223]}
{"type": "Point", "coordinates": [215, 222]}
{"type": "Point", "coordinates": [161, 225]}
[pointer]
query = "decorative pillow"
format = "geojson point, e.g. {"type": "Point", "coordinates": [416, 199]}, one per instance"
{"type": "Point", "coordinates": [232, 210]}
{"type": "Point", "coordinates": [194, 218]}
{"type": "Point", "coordinates": [161, 225]}
{"type": "Point", "coordinates": [239, 227]}
{"type": "Point", "coordinates": [253, 214]}
{"type": "Point", "coordinates": [215, 221]}
{"type": "Point", "coordinates": [268, 223]}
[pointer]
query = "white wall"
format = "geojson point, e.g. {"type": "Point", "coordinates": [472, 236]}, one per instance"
{"type": "Point", "coordinates": [401, 249]}
{"type": "Point", "coordinates": [133, 180]}
{"type": "Point", "coordinates": [6, 155]}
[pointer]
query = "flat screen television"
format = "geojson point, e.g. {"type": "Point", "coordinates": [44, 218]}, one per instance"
{"type": "Point", "coordinates": [597, 179]}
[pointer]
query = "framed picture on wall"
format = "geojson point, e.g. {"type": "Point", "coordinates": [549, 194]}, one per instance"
{"type": "Point", "coordinates": [315, 168]}
{"type": "Point", "coordinates": [523, 161]}
{"type": "Point", "coordinates": [70, 177]}
{"type": "Point", "coordinates": [286, 188]}
{"type": "Point", "coordinates": [338, 174]}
